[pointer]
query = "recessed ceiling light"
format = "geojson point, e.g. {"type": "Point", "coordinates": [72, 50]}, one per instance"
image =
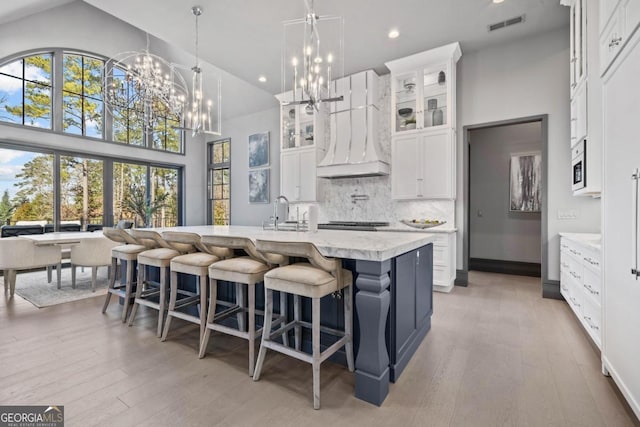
{"type": "Point", "coordinates": [498, 1]}
{"type": "Point", "coordinates": [393, 34]}
{"type": "Point", "coordinates": [262, 79]}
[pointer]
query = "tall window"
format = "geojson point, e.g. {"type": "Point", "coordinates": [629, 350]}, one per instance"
{"type": "Point", "coordinates": [127, 122]}
{"type": "Point", "coordinates": [81, 190]}
{"type": "Point", "coordinates": [82, 105]}
{"type": "Point", "coordinates": [26, 91]}
{"type": "Point", "coordinates": [164, 197]}
{"type": "Point", "coordinates": [26, 184]}
{"type": "Point", "coordinates": [219, 187]}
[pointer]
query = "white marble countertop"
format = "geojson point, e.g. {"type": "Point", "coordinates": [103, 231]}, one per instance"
{"type": "Point", "coordinates": [592, 240]}
{"type": "Point", "coordinates": [444, 228]}
{"type": "Point", "coordinates": [361, 245]}
{"type": "Point", "coordinates": [62, 237]}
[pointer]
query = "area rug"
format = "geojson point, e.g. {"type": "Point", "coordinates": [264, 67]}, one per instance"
{"type": "Point", "coordinates": [34, 288]}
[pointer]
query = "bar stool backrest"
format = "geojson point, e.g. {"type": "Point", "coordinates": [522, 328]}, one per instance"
{"type": "Point", "coordinates": [183, 242]}
{"type": "Point", "coordinates": [118, 235]}
{"type": "Point", "coordinates": [149, 239]}
{"type": "Point", "coordinates": [229, 243]}
{"type": "Point", "coordinates": [302, 250]}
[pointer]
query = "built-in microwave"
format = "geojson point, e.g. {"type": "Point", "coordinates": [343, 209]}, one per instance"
{"type": "Point", "coordinates": [579, 165]}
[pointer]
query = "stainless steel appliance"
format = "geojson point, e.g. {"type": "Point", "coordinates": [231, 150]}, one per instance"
{"type": "Point", "coordinates": [353, 225]}
{"type": "Point", "coordinates": [579, 166]}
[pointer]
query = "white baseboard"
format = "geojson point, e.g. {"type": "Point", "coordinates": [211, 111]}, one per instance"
{"type": "Point", "coordinates": [635, 407]}
{"type": "Point", "coordinates": [443, 288]}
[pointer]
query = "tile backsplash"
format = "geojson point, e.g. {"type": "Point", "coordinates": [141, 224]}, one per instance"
{"type": "Point", "coordinates": [372, 201]}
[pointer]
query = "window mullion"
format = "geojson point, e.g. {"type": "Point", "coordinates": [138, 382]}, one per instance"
{"type": "Point", "coordinates": [57, 82]}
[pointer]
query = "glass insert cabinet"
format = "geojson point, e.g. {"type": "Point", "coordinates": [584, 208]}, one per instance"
{"type": "Point", "coordinates": [298, 126]}
{"type": "Point", "coordinates": [422, 98]}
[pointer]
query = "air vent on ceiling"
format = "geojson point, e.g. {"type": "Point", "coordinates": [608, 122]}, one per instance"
{"type": "Point", "coordinates": [507, 23]}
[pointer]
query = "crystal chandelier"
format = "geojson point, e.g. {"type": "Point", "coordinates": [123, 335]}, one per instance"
{"type": "Point", "coordinates": [201, 116]}
{"type": "Point", "coordinates": [139, 85]}
{"type": "Point", "coordinates": [310, 67]}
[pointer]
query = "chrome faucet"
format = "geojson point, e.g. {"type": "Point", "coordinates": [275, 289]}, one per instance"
{"type": "Point", "coordinates": [275, 210]}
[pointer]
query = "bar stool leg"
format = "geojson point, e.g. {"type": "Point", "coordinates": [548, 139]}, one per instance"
{"type": "Point", "coordinates": [94, 277]}
{"type": "Point", "coordinates": [283, 316]}
{"type": "Point", "coordinates": [112, 281]}
{"type": "Point", "coordinates": [49, 271]}
{"type": "Point", "coordinates": [202, 283]}
{"type": "Point", "coordinates": [251, 288]}
{"type": "Point", "coordinates": [139, 288]}
{"type": "Point", "coordinates": [128, 291]}
{"type": "Point", "coordinates": [296, 318]}
{"type": "Point", "coordinates": [348, 326]}
{"type": "Point", "coordinates": [211, 314]}
{"type": "Point", "coordinates": [315, 337]}
{"type": "Point", "coordinates": [59, 273]}
{"type": "Point", "coordinates": [266, 331]}
{"type": "Point", "coordinates": [172, 302]}
{"type": "Point", "coordinates": [240, 304]}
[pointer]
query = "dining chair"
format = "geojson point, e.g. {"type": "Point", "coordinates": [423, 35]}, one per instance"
{"type": "Point", "coordinates": [91, 252]}
{"type": "Point", "coordinates": [17, 253]}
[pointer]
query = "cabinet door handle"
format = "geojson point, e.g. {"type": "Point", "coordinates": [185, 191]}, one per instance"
{"type": "Point", "coordinates": [615, 41]}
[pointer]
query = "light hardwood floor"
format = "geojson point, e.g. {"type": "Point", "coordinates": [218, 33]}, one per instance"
{"type": "Point", "coordinates": [497, 354]}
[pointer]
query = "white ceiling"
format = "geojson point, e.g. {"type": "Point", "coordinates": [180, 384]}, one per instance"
{"type": "Point", "coordinates": [244, 37]}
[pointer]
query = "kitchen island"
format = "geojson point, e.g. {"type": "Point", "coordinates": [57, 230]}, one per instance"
{"type": "Point", "coordinates": [393, 293]}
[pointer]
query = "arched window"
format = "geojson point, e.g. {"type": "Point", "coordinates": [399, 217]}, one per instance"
{"type": "Point", "coordinates": [26, 91]}
{"type": "Point", "coordinates": [31, 95]}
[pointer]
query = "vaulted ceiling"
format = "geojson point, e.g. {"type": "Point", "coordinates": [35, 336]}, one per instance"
{"type": "Point", "coordinates": [244, 37]}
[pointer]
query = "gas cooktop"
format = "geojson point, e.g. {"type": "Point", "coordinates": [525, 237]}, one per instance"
{"type": "Point", "coordinates": [353, 225]}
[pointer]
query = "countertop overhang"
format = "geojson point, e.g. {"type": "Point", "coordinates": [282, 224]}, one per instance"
{"type": "Point", "coordinates": [360, 245]}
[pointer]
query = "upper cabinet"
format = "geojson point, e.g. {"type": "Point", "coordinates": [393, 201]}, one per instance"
{"type": "Point", "coordinates": [302, 145]}
{"type": "Point", "coordinates": [618, 21]}
{"type": "Point", "coordinates": [422, 94]}
{"type": "Point", "coordinates": [578, 45]}
{"type": "Point", "coordinates": [423, 121]}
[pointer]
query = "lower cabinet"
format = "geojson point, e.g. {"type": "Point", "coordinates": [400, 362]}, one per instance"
{"type": "Point", "coordinates": [444, 262]}
{"type": "Point", "coordinates": [581, 284]}
{"type": "Point", "coordinates": [411, 305]}
{"type": "Point", "coordinates": [423, 165]}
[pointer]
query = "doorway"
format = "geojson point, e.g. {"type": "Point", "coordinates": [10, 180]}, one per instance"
{"type": "Point", "coordinates": [505, 193]}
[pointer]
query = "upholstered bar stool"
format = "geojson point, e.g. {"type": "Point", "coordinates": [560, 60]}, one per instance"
{"type": "Point", "coordinates": [318, 277]}
{"type": "Point", "coordinates": [196, 264]}
{"type": "Point", "coordinates": [127, 251]}
{"type": "Point", "coordinates": [160, 257]}
{"type": "Point", "coordinates": [243, 271]}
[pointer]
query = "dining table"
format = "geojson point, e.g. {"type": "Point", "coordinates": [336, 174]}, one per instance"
{"type": "Point", "coordinates": [63, 238]}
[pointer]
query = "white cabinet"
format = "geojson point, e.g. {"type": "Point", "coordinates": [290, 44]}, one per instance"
{"type": "Point", "coordinates": [423, 166]}
{"type": "Point", "coordinates": [578, 43]}
{"type": "Point", "coordinates": [617, 26]}
{"type": "Point", "coordinates": [298, 181]}
{"type": "Point", "coordinates": [579, 115]}
{"type": "Point", "coordinates": [301, 147]}
{"type": "Point", "coordinates": [444, 261]}
{"type": "Point", "coordinates": [423, 121]}
{"type": "Point", "coordinates": [581, 283]}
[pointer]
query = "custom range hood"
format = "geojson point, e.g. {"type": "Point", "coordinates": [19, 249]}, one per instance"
{"type": "Point", "coordinates": [353, 149]}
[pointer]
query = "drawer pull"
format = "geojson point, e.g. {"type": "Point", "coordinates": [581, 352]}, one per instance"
{"type": "Point", "coordinates": [591, 290]}
{"type": "Point", "coordinates": [575, 276]}
{"type": "Point", "coordinates": [589, 322]}
{"type": "Point", "coordinates": [590, 261]}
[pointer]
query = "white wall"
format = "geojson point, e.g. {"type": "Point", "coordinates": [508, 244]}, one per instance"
{"type": "Point", "coordinates": [494, 231]}
{"type": "Point", "coordinates": [239, 129]}
{"type": "Point", "coordinates": [524, 78]}
{"type": "Point", "coordinates": [83, 27]}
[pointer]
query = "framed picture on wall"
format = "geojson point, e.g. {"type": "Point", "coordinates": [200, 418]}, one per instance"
{"type": "Point", "coordinates": [259, 186]}
{"type": "Point", "coordinates": [259, 150]}
{"type": "Point", "coordinates": [525, 177]}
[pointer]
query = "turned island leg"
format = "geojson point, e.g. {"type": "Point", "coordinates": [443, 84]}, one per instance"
{"type": "Point", "coordinates": [372, 308]}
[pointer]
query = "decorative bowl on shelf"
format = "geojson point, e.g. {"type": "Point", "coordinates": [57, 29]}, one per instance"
{"type": "Point", "coordinates": [422, 223]}
{"type": "Point", "coordinates": [405, 112]}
